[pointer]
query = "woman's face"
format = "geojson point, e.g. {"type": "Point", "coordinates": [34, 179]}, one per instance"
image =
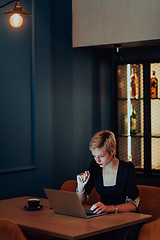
{"type": "Point", "coordinates": [101, 157]}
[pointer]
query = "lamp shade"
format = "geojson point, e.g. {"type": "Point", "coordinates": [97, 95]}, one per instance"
{"type": "Point", "coordinates": [17, 10]}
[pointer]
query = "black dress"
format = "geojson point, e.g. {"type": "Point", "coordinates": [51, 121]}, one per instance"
{"type": "Point", "coordinates": [125, 190]}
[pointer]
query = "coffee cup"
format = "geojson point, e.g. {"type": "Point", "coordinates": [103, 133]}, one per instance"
{"type": "Point", "coordinates": [33, 202]}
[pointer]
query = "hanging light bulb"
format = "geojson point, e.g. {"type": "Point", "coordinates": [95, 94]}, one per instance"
{"type": "Point", "coordinates": [16, 20]}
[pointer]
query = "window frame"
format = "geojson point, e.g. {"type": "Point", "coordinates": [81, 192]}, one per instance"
{"type": "Point", "coordinates": [147, 171]}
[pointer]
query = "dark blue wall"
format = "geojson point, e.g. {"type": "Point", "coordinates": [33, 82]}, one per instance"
{"type": "Point", "coordinates": [75, 97]}
{"type": "Point", "coordinates": [25, 103]}
{"type": "Point", "coordinates": [49, 100]}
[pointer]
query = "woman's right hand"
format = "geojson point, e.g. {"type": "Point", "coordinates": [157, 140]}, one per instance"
{"type": "Point", "coordinates": [82, 180]}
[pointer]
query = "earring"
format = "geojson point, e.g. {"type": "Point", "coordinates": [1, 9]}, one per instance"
{"type": "Point", "coordinates": [112, 155]}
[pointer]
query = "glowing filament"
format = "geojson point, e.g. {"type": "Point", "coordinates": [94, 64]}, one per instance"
{"type": "Point", "coordinates": [16, 20]}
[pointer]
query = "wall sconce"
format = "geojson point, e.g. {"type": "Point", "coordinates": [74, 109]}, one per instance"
{"type": "Point", "coordinates": [16, 19]}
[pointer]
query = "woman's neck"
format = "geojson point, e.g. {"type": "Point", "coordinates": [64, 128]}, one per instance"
{"type": "Point", "coordinates": [109, 173]}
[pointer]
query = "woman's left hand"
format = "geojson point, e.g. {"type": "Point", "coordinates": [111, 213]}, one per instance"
{"type": "Point", "coordinates": [99, 208]}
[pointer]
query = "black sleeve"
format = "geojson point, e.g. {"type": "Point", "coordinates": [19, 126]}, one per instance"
{"type": "Point", "coordinates": [132, 191]}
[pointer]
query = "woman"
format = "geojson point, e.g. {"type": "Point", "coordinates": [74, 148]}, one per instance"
{"type": "Point", "coordinates": [114, 180]}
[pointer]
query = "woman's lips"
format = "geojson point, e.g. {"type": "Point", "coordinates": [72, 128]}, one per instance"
{"type": "Point", "coordinates": [100, 164]}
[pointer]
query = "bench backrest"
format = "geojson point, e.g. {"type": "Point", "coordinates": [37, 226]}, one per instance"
{"type": "Point", "coordinates": [71, 186]}
{"type": "Point", "coordinates": [149, 201]}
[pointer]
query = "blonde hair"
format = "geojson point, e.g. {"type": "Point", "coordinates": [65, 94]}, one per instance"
{"type": "Point", "coordinates": [105, 139]}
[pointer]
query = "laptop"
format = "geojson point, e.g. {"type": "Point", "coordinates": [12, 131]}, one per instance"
{"type": "Point", "coordinates": [68, 203]}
